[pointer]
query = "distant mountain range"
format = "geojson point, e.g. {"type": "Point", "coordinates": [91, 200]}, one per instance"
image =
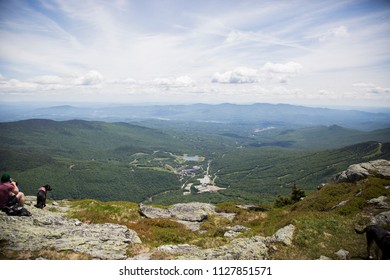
{"type": "Point", "coordinates": [281, 115]}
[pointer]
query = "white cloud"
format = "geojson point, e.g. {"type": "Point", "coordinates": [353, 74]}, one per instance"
{"type": "Point", "coordinates": [47, 80]}
{"type": "Point", "coordinates": [185, 81]}
{"type": "Point", "coordinates": [269, 72]}
{"type": "Point", "coordinates": [130, 81]}
{"type": "Point", "coordinates": [162, 82]}
{"type": "Point", "coordinates": [16, 85]}
{"type": "Point", "coordinates": [370, 88]}
{"type": "Point", "coordinates": [239, 75]}
{"type": "Point", "coordinates": [127, 81]}
{"type": "Point", "coordinates": [334, 33]}
{"type": "Point", "coordinates": [92, 78]}
{"type": "Point", "coordinates": [360, 85]}
{"type": "Point", "coordinates": [281, 73]}
{"type": "Point", "coordinates": [237, 36]}
{"type": "Point", "coordinates": [166, 83]}
{"type": "Point", "coordinates": [287, 68]}
{"type": "Point", "coordinates": [324, 92]}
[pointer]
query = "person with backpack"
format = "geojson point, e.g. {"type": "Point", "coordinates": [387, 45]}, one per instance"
{"type": "Point", "coordinates": [9, 193]}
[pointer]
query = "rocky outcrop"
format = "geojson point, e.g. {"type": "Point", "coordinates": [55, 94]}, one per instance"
{"type": "Point", "coordinates": [342, 203]}
{"type": "Point", "coordinates": [153, 212]}
{"type": "Point", "coordinates": [253, 248]}
{"type": "Point", "coordinates": [342, 254]}
{"type": "Point", "coordinates": [283, 235]}
{"type": "Point", "coordinates": [49, 228]}
{"type": "Point", "coordinates": [189, 214]}
{"type": "Point", "coordinates": [192, 212]}
{"type": "Point", "coordinates": [180, 249]}
{"type": "Point", "coordinates": [356, 172]}
{"type": "Point", "coordinates": [382, 219]}
{"type": "Point", "coordinates": [379, 202]}
{"type": "Point", "coordinates": [234, 231]}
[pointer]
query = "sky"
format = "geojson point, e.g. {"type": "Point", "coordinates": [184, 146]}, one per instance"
{"type": "Point", "coordinates": [330, 53]}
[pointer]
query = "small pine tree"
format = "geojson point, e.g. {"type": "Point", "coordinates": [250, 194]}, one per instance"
{"type": "Point", "coordinates": [296, 194]}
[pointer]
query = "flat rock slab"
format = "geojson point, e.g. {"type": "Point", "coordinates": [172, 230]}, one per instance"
{"type": "Point", "coordinates": [253, 248]}
{"type": "Point", "coordinates": [49, 229]}
{"type": "Point", "coordinates": [190, 214]}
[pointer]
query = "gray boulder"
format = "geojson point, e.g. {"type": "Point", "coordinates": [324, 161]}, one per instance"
{"type": "Point", "coordinates": [324, 258]}
{"type": "Point", "coordinates": [342, 203]}
{"type": "Point", "coordinates": [382, 219]}
{"type": "Point", "coordinates": [379, 202]}
{"type": "Point", "coordinates": [153, 212]}
{"type": "Point", "coordinates": [254, 248]}
{"type": "Point", "coordinates": [342, 254]}
{"type": "Point", "coordinates": [380, 167]}
{"type": "Point", "coordinates": [192, 212]}
{"type": "Point", "coordinates": [356, 172]}
{"type": "Point", "coordinates": [283, 235]}
{"type": "Point", "coordinates": [234, 231]}
{"type": "Point", "coordinates": [193, 226]}
{"type": "Point", "coordinates": [178, 249]}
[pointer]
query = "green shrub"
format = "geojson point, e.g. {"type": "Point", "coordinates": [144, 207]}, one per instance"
{"type": "Point", "coordinates": [296, 195]}
{"type": "Point", "coordinates": [98, 212]}
{"type": "Point", "coordinates": [161, 231]}
{"type": "Point", "coordinates": [282, 201]}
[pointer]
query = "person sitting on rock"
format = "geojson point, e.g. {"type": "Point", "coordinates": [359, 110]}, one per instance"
{"type": "Point", "coordinates": [9, 193]}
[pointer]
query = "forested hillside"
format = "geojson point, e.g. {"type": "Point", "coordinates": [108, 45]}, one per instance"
{"type": "Point", "coordinates": [85, 159]}
{"type": "Point", "coordinates": [122, 161]}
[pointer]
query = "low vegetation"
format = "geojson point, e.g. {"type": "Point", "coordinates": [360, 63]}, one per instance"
{"type": "Point", "coordinates": [322, 228]}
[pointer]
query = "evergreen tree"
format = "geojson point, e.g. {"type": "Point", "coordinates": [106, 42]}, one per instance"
{"type": "Point", "coordinates": [296, 193]}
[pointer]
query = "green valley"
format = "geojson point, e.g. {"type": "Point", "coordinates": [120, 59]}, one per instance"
{"type": "Point", "coordinates": [170, 162]}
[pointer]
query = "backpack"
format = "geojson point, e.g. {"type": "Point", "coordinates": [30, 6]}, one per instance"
{"type": "Point", "coordinates": [12, 201]}
{"type": "Point", "coordinates": [16, 211]}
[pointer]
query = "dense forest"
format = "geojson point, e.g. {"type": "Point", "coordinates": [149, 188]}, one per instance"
{"type": "Point", "coordinates": [139, 161]}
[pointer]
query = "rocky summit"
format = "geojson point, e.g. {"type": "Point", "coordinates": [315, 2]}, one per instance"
{"type": "Point", "coordinates": [50, 228]}
{"type": "Point", "coordinates": [356, 172]}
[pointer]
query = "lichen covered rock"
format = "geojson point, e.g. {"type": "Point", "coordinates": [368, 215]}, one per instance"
{"type": "Point", "coordinates": [51, 229]}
